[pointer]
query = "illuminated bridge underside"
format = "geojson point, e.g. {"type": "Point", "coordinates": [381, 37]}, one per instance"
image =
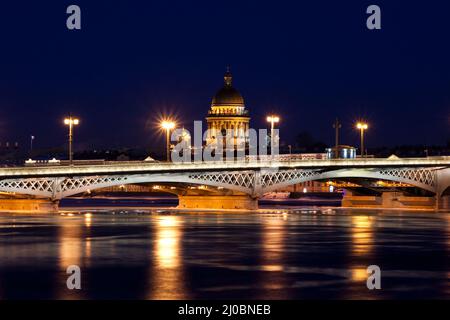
{"type": "Point", "coordinates": [251, 182]}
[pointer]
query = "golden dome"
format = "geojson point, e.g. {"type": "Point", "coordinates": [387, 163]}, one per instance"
{"type": "Point", "coordinates": [227, 95]}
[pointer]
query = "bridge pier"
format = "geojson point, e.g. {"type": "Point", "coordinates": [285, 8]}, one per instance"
{"type": "Point", "coordinates": [353, 200]}
{"type": "Point", "coordinates": [387, 200]}
{"type": "Point", "coordinates": [443, 203]}
{"type": "Point", "coordinates": [29, 205]}
{"type": "Point", "coordinates": [243, 202]}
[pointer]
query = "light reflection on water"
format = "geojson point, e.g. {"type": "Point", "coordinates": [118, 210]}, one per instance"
{"type": "Point", "coordinates": [272, 256]}
{"type": "Point", "coordinates": [167, 273]}
{"type": "Point", "coordinates": [362, 245]}
{"type": "Point", "coordinates": [71, 247]}
{"type": "Point", "coordinates": [244, 256]}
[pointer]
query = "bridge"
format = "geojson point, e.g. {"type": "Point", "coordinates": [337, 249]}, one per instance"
{"type": "Point", "coordinates": [231, 184]}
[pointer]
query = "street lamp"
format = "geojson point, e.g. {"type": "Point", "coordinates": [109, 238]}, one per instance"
{"type": "Point", "coordinates": [70, 121]}
{"type": "Point", "coordinates": [272, 119]}
{"type": "Point", "coordinates": [167, 125]}
{"type": "Point", "coordinates": [290, 153]}
{"type": "Point", "coordinates": [31, 146]}
{"type": "Point", "coordinates": [362, 126]}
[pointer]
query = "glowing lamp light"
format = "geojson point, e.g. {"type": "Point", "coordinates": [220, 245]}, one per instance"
{"type": "Point", "coordinates": [73, 121]}
{"type": "Point", "coordinates": [168, 125]}
{"type": "Point", "coordinates": [273, 119]}
{"type": "Point", "coordinates": [361, 125]}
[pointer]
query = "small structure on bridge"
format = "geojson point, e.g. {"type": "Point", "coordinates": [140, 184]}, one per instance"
{"type": "Point", "coordinates": [341, 152]}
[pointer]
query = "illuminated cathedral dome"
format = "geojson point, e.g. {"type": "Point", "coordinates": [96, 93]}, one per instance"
{"type": "Point", "coordinates": [227, 95]}
{"type": "Point", "coordinates": [228, 101]}
{"type": "Point", "coordinates": [228, 112]}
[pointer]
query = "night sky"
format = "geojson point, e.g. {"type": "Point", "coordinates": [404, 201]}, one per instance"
{"type": "Point", "coordinates": [308, 61]}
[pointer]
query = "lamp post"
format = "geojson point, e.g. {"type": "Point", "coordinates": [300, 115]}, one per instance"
{"type": "Point", "coordinates": [362, 127]}
{"type": "Point", "coordinates": [31, 146]}
{"type": "Point", "coordinates": [167, 125]}
{"type": "Point", "coordinates": [290, 153]}
{"type": "Point", "coordinates": [71, 122]}
{"type": "Point", "coordinates": [272, 120]}
{"type": "Point", "coordinates": [337, 126]}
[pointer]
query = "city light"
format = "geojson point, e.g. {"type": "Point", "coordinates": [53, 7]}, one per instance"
{"type": "Point", "coordinates": [362, 126]}
{"type": "Point", "coordinates": [71, 121]}
{"type": "Point", "coordinates": [272, 119]}
{"type": "Point", "coordinates": [167, 125]}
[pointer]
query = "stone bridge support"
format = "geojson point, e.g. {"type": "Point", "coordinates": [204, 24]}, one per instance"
{"type": "Point", "coordinates": [444, 203]}
{"type": "Point", "coordinates": [388, 200]}
{"type": "Point", "coordinates": [241, 202]}
{"type": "Point", "coordinates": [28, 205]}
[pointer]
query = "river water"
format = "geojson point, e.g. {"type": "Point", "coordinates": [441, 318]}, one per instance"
{"type": "Point", "coordinates": [284, 253]}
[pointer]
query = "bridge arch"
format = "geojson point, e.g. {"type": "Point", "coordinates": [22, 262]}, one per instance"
{"type": "Point", "coordinates": [424, 178]}
{"type": "Point", "coordinates": [78, 185]}
{"type": "Point", "coordinates": [62, 187]}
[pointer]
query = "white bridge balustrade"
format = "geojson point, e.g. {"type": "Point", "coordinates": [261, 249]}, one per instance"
{"type": "Point", "coordinates": [251, 178]}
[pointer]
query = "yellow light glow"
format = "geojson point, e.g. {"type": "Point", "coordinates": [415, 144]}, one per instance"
{"type": "Point", "coordinates": [273, 119]}
{"type": "Point", "coordinates": [88, 219]}
{"type": "Point", "coordinates": [168, 125]}
{"type": "Point", "coordinates": [168, 242]}
{"type": "Point", "coordinates": [71, 250]}
{"type": "Point", "coordinates": [73, 121]}
{"type": "Point", "coordinates": [167, 276]}
{"type": "Point", "coordinates": [359, 274]}
{"type": "Point", "coordinates": [273, 253]}
{"type": "Point", "coordinates": [362, 125]}
{"type": "Point", "coordinates": [362, 234]}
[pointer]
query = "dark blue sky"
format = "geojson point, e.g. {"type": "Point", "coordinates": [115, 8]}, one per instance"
{"type": "Point", "coordinates": [308, 61]}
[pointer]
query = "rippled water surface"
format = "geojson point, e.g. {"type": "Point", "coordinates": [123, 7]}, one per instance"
{"type": "Point", "coordinates": [274, 255]}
